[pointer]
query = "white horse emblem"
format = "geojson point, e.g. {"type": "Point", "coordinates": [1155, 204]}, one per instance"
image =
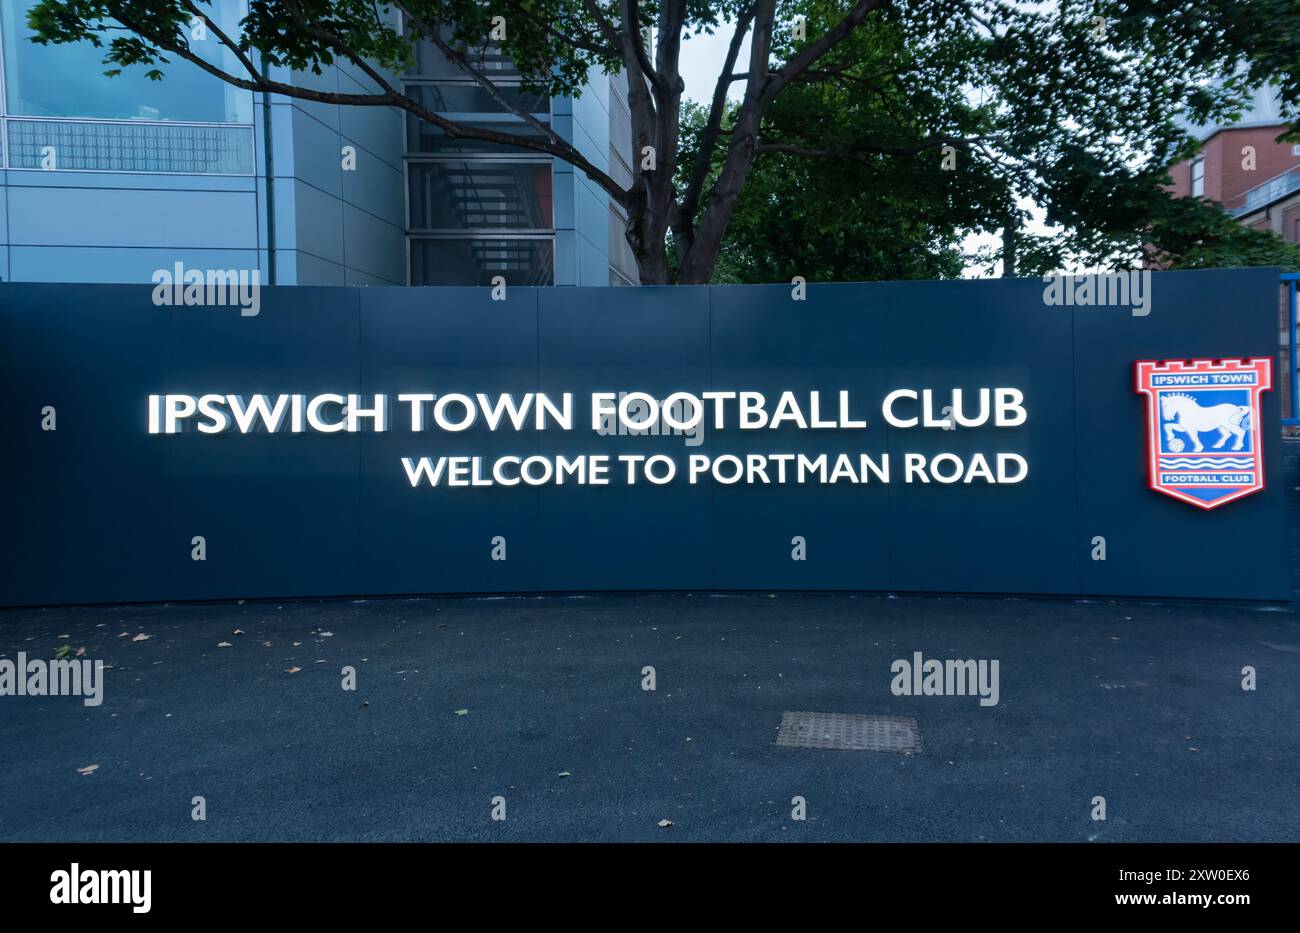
{"type": "Point", "coordinates": [1182, 413]}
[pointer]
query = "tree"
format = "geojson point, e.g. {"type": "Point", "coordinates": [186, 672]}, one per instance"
{"type": "Point", "coordinates": [1018, 87]}
{"type": "Point", "coordinates": [1188, 233]}
{"type": "Point", "coordinates": [872, 217]}
{"type": "Point", "coordinates": [849, 179]}
{"type": "Point", "coordinates": [799, 217]}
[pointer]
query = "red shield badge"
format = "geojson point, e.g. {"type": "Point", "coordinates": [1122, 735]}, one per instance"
{"type": "Point", "coordinates": [1204, 427]}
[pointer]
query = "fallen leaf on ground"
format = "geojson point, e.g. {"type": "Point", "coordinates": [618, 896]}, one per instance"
{"type": "Point", "coordinates": [62, 652]}
{"type": "Point", "coordinates": [293, 670]}
{"type": "Point", "coordinates": [88, 769]}
{"type": "Point", "coordinates": [81, 652]}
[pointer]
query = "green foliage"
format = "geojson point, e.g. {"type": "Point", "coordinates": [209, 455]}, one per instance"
{"type": "Point", "coordinates": [1081, 113]}
{"type": "Point", "coordinates": [846, 218]}
{"type": "Point", "coordinates": [854, 189]}
{"type": "Point", "coordinates": [1188, 233]}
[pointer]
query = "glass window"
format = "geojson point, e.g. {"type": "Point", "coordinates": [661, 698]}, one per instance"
{"type": "Point", "coordinates": [620, 135]}
{"type": "Point", "coordinates": [480, 195]}
{"type": "Point", "coordinates": [477, 261]}
{"type": "Point", "coordinates": [1198, 178]}
{"type": "Point", "coordinates": [620, 129]}
{"type": "Point", "coordinates": [132, 147]}
{"type": "Point", "coordinates": [69, 80]}
{"type": "Point", "coordinates": [424, 137]}
{"type": "Point", "coordinates": [431, 63]}
{"type": "Point", "coordinates": [621, 259]}
{"type": "Point", "coordinates": [474, 98]}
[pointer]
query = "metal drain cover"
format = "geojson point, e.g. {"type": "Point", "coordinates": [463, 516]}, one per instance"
{"type": "Point", "coordinates": [850, 731]}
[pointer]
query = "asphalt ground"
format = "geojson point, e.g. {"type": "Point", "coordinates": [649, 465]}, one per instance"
{"type": "Point", "coordinates": [540, 701]}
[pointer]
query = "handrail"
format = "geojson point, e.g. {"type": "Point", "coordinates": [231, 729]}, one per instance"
{"type": "Point", "coordinates": [1276, 187]}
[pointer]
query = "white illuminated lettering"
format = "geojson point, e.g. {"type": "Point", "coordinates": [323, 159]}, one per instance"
{"type": "Point", "coordinates": [378, 413]}
{"type": "Point", "coordinates": [416, 400]}
{"type": "Point", "coordinates": [1010, 408]}
{"type": "Point", "coordinates": [218, 420]}
{"type": "Point", "coordinates": [314, 413]}
{"type": "Point", "coordinates": [247, 416]}
{"type": "Point", "coordinates": [177, 408]}
{"type": "Point", "coordinates": [887, 409]}
{"type": "Point", "coordinates": [752, 414]}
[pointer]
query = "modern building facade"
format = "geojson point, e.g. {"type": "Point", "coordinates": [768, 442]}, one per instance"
{"type": "Point", "coordinates": [476, 210]}
{"type": "Point", "coordinates": [109, 179]}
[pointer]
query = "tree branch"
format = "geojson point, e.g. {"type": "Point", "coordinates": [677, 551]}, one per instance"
{"type": "Point", "coordinates": [603, 23]}
{"type": "Point", "coordinates": [568, 39]}
{"type": "Point", "coordinates": [797, 150]}
{"type": "Point", "coordinates": [632, 35]}
{"type": "Point", "coordinates": [223, 38]}
{"type": "Point", "coordinates": [709, 135]}
{"type": "Point", "coordinates": [804, 59]}
{"type": "Point", "coordinates": [698, 262]}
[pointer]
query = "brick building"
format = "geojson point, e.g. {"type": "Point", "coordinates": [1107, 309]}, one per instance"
{"type": "Point", "coordinates": [1244, 168]}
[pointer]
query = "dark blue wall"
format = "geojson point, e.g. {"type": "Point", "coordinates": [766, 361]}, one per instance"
{"type": "Point", "coordinates": [100, 511]}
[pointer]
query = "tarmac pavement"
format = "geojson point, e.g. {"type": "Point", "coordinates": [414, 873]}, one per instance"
{"type": "Point", "coordinates": [540, 701]}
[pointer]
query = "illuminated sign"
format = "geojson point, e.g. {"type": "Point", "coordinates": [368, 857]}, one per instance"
{"type": "Point", "coordinates": [1204, 439]}
{"type": "Point", "coordinates": [630, 412]}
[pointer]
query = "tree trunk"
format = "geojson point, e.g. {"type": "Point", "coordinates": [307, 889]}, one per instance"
{"type": "Point", "coordinates": [698, 262]}
{"type": "Point", "coordinates": [1009, 247]}
{"type": "Point", "coordinates": [646, 239]}
{"type": "Point", "coordinates": [652, 267]}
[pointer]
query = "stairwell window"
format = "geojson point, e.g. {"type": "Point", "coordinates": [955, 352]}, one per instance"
{"type": "Point", "coordinates": [1198, 177]}
{"type": "Point", "coordinates": [480, 195]}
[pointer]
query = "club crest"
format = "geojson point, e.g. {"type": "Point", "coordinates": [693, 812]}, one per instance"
{"type": "Point", "coordinates": [1204, 437]}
